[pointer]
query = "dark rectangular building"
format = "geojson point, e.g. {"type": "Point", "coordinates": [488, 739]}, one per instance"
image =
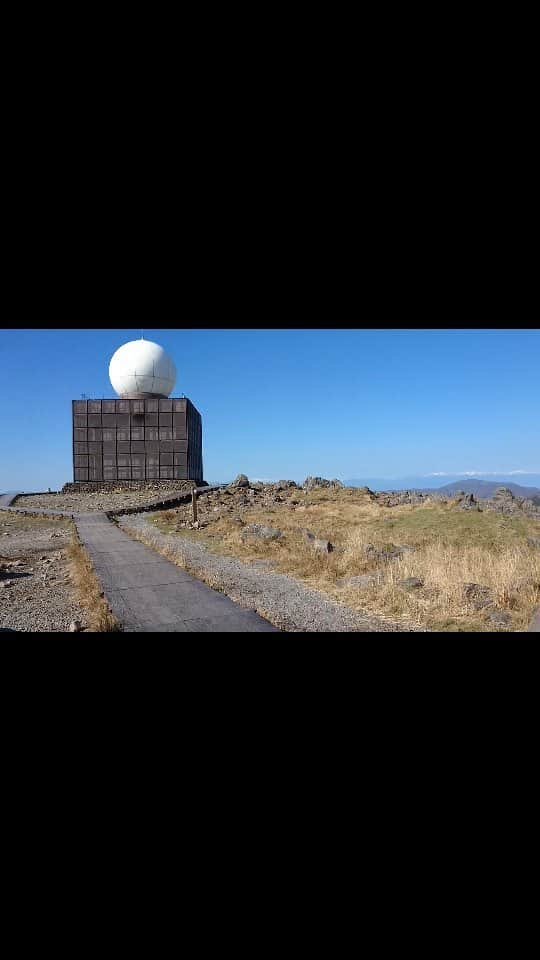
{"type": "Point", "coordinates": [150, 439]}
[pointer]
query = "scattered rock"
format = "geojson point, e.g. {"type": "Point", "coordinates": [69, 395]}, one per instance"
{"type": "Point", "coordinates": [388, 552]}
{"type": "Point", "coordinates": [323, 546]}
{"type": "Point", "coordinates": [534, 542]}
{"type": "Point", "coordinates": [362, 580]}
{"type": "Point", "coordinates": [499, 617]}
{"type": "Point", "coordinates": [241, 481]}
{"type": "Point", "coordinates": [411, 583]}
{"type": "Point", "coordinates": [320, 545]}
{"type": "Point", "coordinates": [466, 501]}
{"type": "Point", "coordinates": [75, 626]}
{"type": "Point", "coordinates": [478, 595]}
{"type": "Point", "coordinates": [259, 531]}
{"type": "Point", "coordinates": [504, 501]}
{"type": "Point", "coordinates": [397, 498]}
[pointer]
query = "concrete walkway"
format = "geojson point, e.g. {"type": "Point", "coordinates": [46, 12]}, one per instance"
{"type": "Point", "coordinates": [148, 593]}
{"type": "Point", "coordinates": [6, 499]}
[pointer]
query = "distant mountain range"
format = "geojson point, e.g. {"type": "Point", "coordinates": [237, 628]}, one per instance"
{"type": "Point", "coordinates": [485, 488]}
{"type": "Point", "coordinates": [481, 486]}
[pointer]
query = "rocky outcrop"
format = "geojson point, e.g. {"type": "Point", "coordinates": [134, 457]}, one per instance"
{"type": "Point", "coordinates": [314, 483]}
{"type": "Point", "coordinates": [398, 498]}
{"type": "Point", "coordinates": [466, 501]}
{"type": "Point", "coordinates": [504, 501]}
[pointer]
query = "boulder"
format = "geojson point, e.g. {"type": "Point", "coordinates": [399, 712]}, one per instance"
{"type": "Point", "coordinates": [410, 583]}
{"type": "Point", "coordinates": [499, 618]}
{"type": "Point", "coordinates": [362, 580]}
{"type": "Point", "coordinates": [312, 483]}
{"type": "Point", "coordinates": [260, 532]}
{"type": "Point", "coordinates": [320, 545]}
{"type": "Point", "coordinates": [503, 493]}
{"type": "Point", "coordinates": [388, 552]}
{"type": "Point", "coordinates": [466, 501]}
{"type": "Point", "coordinates": [241, 481]}
{"type": "Point", "coordinates": [478, 595]}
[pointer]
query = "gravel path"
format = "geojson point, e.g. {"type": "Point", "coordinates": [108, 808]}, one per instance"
{"type": "Point", "coordinates": [283, 601]}
{"type": "Point", "coordinates": [35, 587]}
{"type": "Point", "coordinates": [94, 502]}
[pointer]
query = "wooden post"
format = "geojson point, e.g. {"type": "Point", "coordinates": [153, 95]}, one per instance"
{"type": "Point", "coordinates": [194, 504]}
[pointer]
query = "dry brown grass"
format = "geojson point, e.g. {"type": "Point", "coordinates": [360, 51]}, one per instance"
{"type": "Point", "coordinates": [88, 590]}
{"type": "Point", "coordinates": [512, 575]}
{"type": "Point", "coordinates": [450, 549]}
{"type": "Point", "coordinates": [22, 521]}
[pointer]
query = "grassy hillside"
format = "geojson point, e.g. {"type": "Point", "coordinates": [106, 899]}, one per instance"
{"type": "Point", "coordinates": [451, 549]}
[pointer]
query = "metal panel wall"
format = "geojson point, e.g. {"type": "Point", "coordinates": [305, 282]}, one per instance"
{"type": "Point", "coordinates": [146, 439]}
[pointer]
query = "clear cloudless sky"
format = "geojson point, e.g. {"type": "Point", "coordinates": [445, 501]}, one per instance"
{"type": "Point", "coordinates": [284, 404]}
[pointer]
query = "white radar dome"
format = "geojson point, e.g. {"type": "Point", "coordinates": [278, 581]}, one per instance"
{"type": "Point", "coordinates": [142, 367]}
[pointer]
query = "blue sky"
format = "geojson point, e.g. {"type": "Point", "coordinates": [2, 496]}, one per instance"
{"type": "Point", "coordinates": [282, 404]}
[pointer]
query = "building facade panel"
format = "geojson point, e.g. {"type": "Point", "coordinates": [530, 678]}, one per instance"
{"type": "Point", "coordinates": [144, 439]}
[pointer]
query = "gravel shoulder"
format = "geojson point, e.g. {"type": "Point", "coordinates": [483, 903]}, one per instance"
{"type": "Point", "coordinates": [95, 502]}
{"type": "Point", "coordinates": [281, 599]}
{"type": "Point", "coordinates": [36, 592]}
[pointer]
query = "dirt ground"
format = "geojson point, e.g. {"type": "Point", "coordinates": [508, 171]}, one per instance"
{"type": "Point", "coordinates": [36, 588]}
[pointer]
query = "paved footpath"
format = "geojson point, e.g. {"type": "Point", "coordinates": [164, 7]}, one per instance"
{"type": "Point", "coordinates": [5, 500]}
{"type": "Point", "coordinates": [146, 592]}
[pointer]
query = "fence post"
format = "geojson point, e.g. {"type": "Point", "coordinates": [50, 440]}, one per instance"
{"type": "Point", "coordinates": [194, 504]}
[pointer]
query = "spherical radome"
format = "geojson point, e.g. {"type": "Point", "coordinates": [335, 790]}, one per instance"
{"type": "Point", "coordinates": [142, 367]}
